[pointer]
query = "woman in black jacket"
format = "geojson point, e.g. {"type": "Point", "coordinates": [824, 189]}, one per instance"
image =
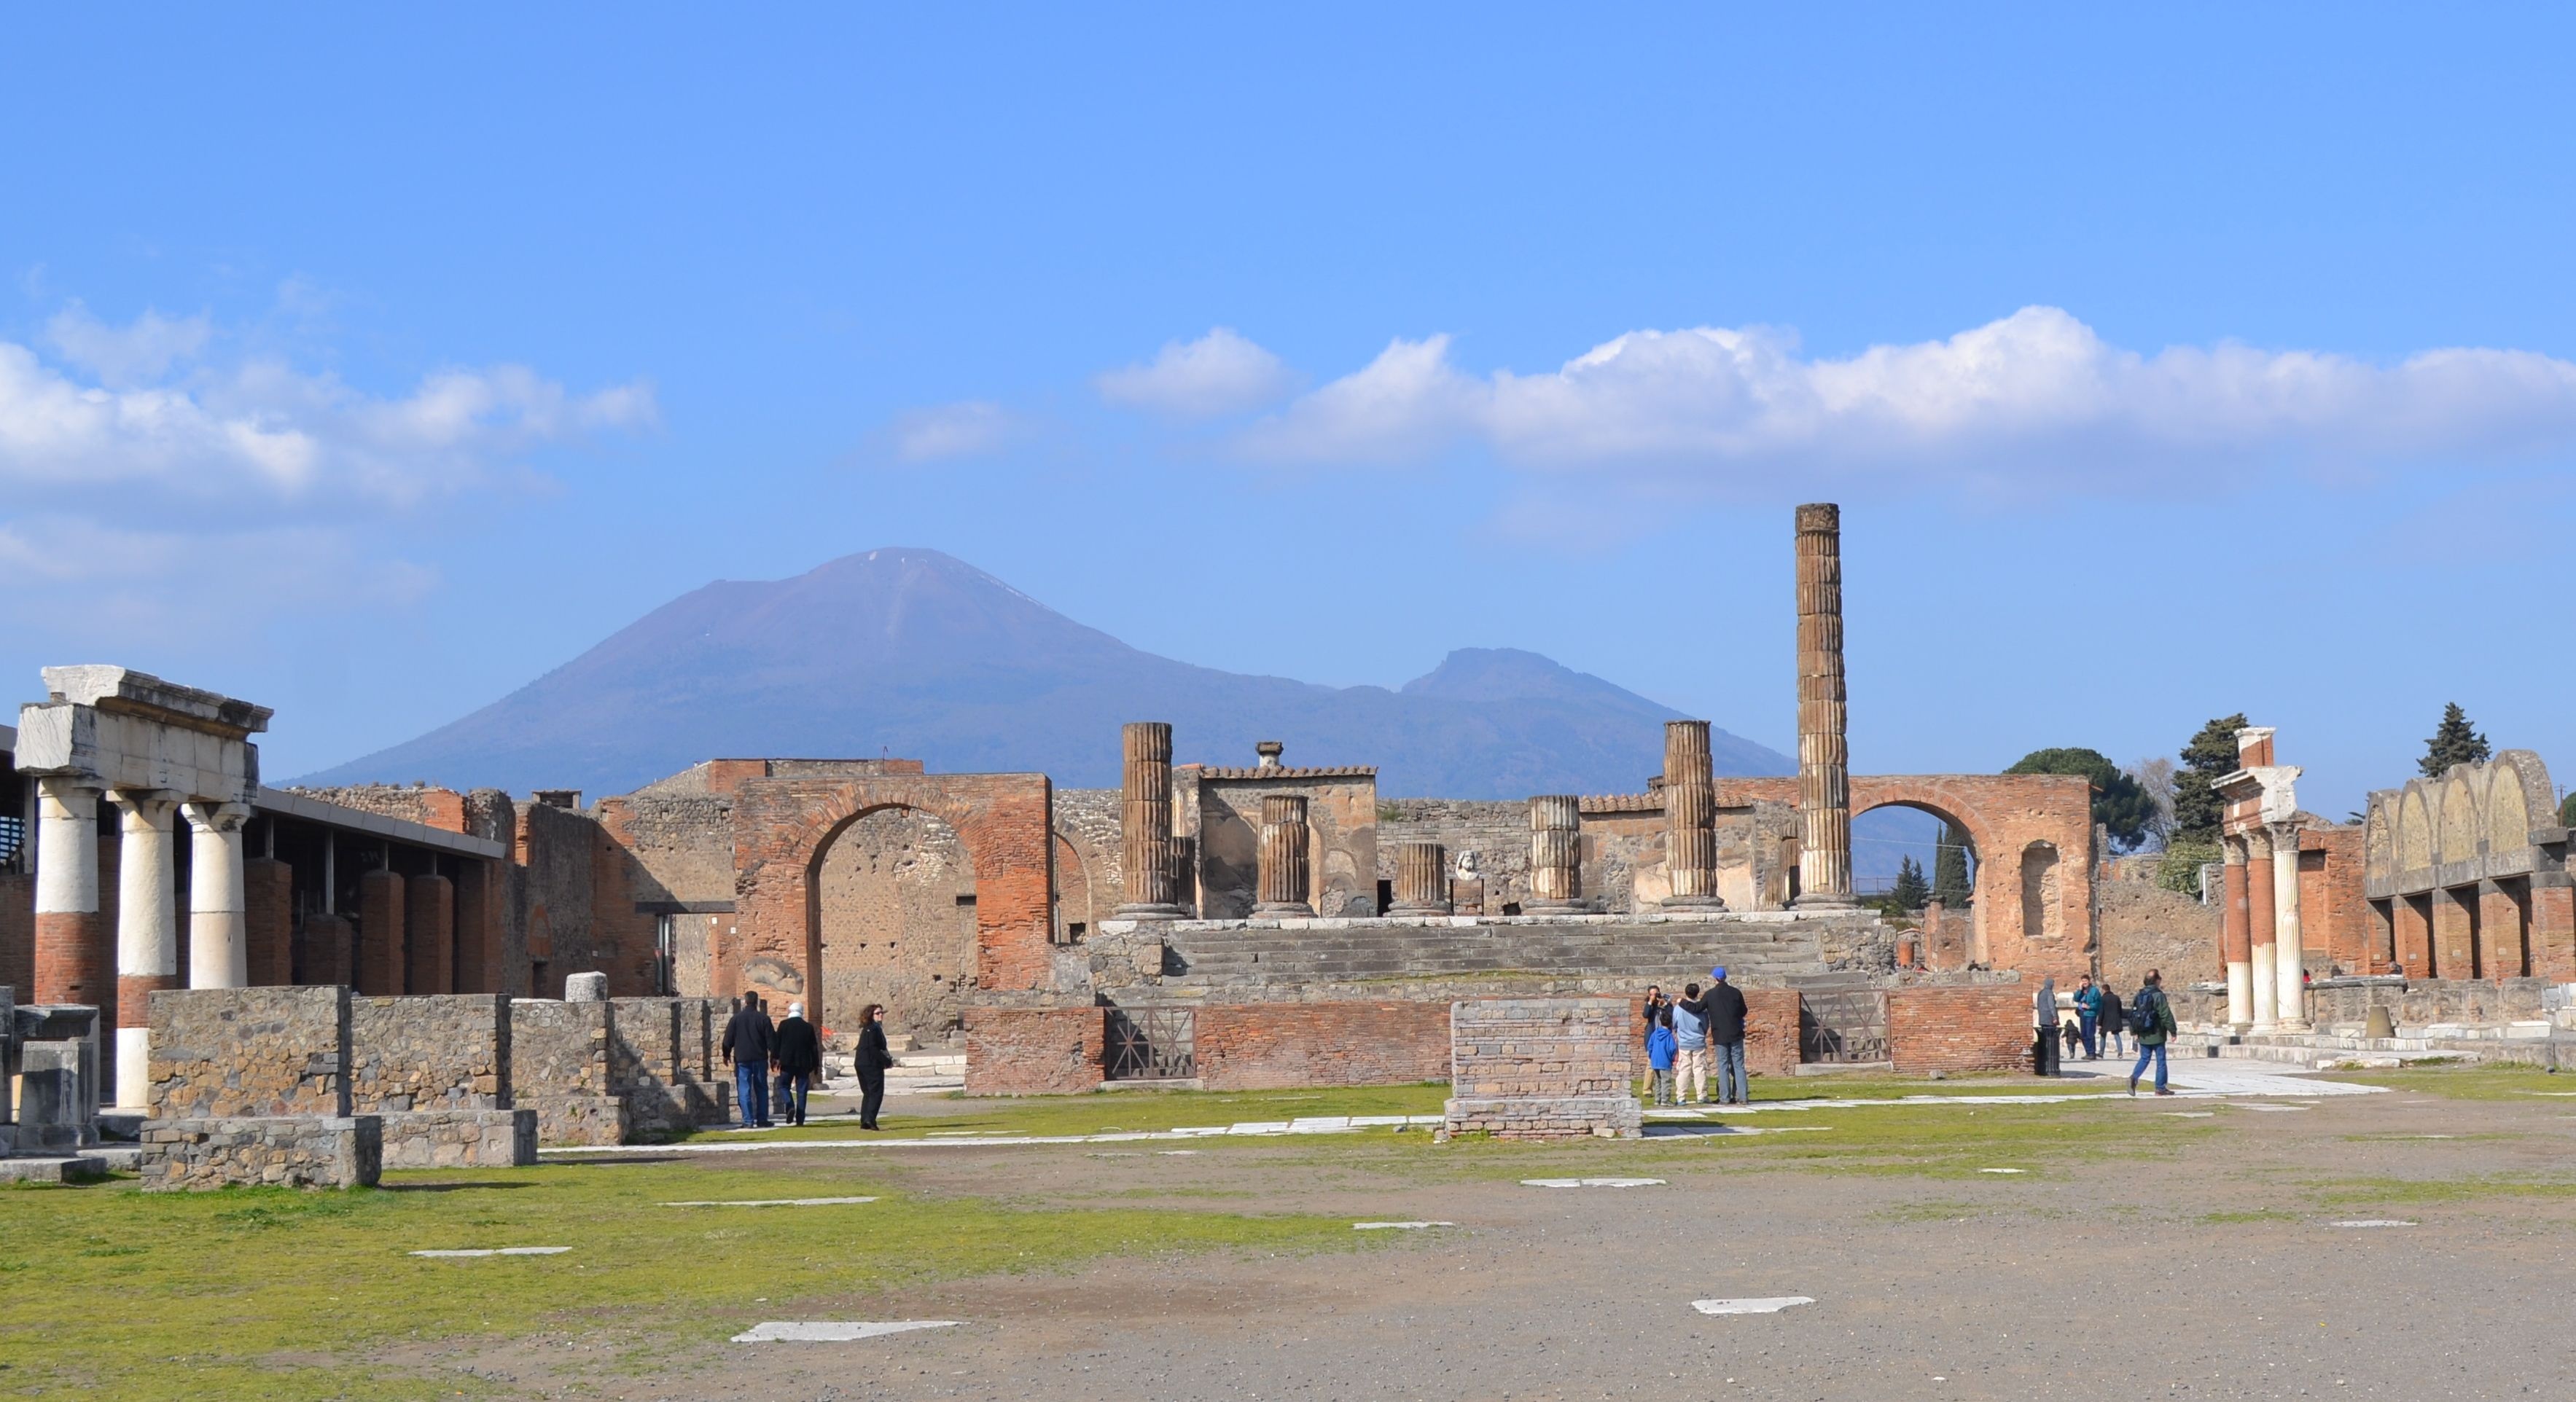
{"type": "Point", "coordinates": [873, 1059]}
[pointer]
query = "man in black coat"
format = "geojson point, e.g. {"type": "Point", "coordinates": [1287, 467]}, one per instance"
{"type": "Point", "coordinates": [747, 1043]}
{"type": "Point", "coordinates": [1724, 1005]}
{"type": "Point", "coordinates": [798, 1054]}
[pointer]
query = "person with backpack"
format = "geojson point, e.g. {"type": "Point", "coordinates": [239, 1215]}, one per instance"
{"type": "Point", "coordinates": [1726, 1016]}
{"type": "Point", "coordinates": [2088, 1014]}
{"type": "Point", "coordinates": [2151, 1018]}
{"type": "Point", "coordinates": [2110, 1018]}
{"type": "Point", "coordinates": [1659, 1048]}
{"type": "Point", "coordinates": [1690, 1045]}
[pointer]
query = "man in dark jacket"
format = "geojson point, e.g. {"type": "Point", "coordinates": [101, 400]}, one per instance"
{"type": "Point", "coordinates": [2154, 1015]}
{"type": "Point", "coordinates": [747, 1043]}
{"type": "Point", "coordinates": [1724, 1008]}
{"type": "Point", "coordinates": [798, 1054]}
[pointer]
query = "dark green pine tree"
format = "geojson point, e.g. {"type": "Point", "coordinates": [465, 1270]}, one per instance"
{"type": "Point", "coordinates": [2211, 753]}
{"type": "Point", "coordinates": [2454, 742]}
{"type": "Point", "coordinates": [1950, 869]}
{"type": "Point", "coordinates": [1912, 891]}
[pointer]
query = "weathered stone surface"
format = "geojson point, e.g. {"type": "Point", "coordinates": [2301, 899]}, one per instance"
{"type": "Point", "coordinates": [559, 1066]}
{"type": "Point", "coordinates": [236, 1052]}
{"type": "Point", "coordinates": [1542, 1068]}
{"type": "Point", "coordinates": [586, 988]}
{"type": "Point", "coordinates": [1150, 859]}
{"type": "Point", "coordinates": [441, 1052]}
{"type": "Point", "coordinates": [578, 1119]}
{"type": "Point", "coordinates": [460, 1139]}
{"type": "Point", "coordinates": [1286, 843]}
{"type": "Point", "coordinates": [1824, 754]}
{"type": "Point", "coordinates": [1556, 853]}
{"type": "Point", "coordinates": [302, 1151]}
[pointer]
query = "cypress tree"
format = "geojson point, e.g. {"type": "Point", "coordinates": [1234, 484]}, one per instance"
{"type": "Point", "coordinates": [2197, 811]}
{"type": "Point", "coordinates": [1911, 889]}
{"type": "Point", "coordinates": [1950, 868]}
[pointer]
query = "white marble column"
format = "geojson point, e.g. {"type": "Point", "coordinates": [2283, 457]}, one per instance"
{"type": "Point", "coordinates": [2288, 960]}
{"type": "Point", "coordinates": [2236, 938]}
{"type": "Point", "coordinates": [67, 956]}
{"type": "Point", "coordinates": [2259, 911]}
{"type": "Point", "coordinates": [147, 932]}
{"type": "Point", "coordinates": [218, 926]}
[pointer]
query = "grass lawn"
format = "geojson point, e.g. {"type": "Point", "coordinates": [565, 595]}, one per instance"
{"type": "Point", "coordinates": [2464, 1081]}
{"type": "Point", "coordinates": [271, 1293]}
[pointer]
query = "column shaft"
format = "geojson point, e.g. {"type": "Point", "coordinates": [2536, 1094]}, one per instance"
{"type": "Point", "coordinates": [147, 932]}
{"type": "Point", "coordinates": [1690, 817]}
{"type": "Point", "coordinates": [71, 945]}
{"type": "Point", "coordinates": [1150, 868]}
{"type": "Point", "coordinates": [1286, 846]}
{"type": "Point", "coordinates": [218, 918]}
{"type": "Point", "coordinates": [1556, 853]}
{"type": "Point", "coordinates": [1421, 879]}
{"type": "Point", "coordinates": [2289, 947]}
{"type": "Point", "coordinates": [2260, 911]}
{"type": "Point", "coordinates": [1824, 757]}
{"type": "Point", "coordinates": [2235, 939]}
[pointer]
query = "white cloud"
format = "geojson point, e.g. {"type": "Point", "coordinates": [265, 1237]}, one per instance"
{"type": "Point", "coordinates": [263, 427]}
{"type": "Point", "coordinates": [1220, 373]}
{"type": "Point", "coordinates": [2036, 397]}
{"type": "Point", "coordinates": [961, 430]}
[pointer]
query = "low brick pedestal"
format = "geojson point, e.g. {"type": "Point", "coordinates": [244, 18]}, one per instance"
{"type": "Point", "coordinates": [1542, 1068]}
{"type": "Point", "coordinates": [301, 1151]}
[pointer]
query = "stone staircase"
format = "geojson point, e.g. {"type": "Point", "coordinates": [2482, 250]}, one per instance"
{"type": "Point", "coordinates": [1598, 957]}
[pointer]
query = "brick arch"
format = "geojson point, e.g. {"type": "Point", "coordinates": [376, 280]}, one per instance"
{"type": "Point", "coordinates": [783, 826]}
{"type": "Point", "coordinates": [2006, 815]}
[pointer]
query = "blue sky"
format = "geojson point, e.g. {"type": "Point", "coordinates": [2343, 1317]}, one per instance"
{"type": "Point", "coordinates": [2165, 363]}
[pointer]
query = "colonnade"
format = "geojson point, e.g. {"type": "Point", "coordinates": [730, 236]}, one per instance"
{"type": "Point", "coordinates": [2259, 937]}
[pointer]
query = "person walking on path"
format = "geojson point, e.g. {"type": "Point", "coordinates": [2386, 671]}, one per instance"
{"type": "Point", "coordinates": [2151, 1017]}
{"type": "Point", "coordinates": [2111, 1017]}
{"type": "Point", "coordinates": [1726, 1013]}
{"type": "Point", "coordinates": [798, 1055]}
{"type": "Point", "coordinates": [1690, 1045]}
{"type": "Point", "coordinates": [1659, 1047]}
{"type": "Point", "coordinates": [873, 1058]}
{"type": "Point", "coordinates": [2043, 1007]}
{"type": "Point", "coordinates": [748, 1040]}
{"type": "Point", "coordinates": [2088, 1015]}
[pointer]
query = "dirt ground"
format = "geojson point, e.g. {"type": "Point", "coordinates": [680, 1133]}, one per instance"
{"type": "Point", "coordinates": [2210, 1266]}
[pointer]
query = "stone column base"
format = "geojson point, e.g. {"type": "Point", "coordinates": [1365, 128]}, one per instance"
{"type": "Point", "coordinates": [1149, 912]}
{"type": "Point", "coordinates": [1283, 910]}
{"type": "Point", "coordinates": [1822, 900]}
{"type": "Point", "coordinates": [1424, 908]}
{"type": "Point", "coordinates": [1694, 903]}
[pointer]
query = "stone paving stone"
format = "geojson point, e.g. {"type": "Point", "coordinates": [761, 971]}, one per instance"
{"type": "Point", "coordinates": [833, 1331]}
{"type": "Point", "coordinates": [1591, 1182]}
{"type": "Point", "coordinates": [1768, 1304]}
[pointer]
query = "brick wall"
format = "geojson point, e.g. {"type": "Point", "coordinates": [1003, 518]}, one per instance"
{"type": "Point", "coordinates": [1269, 1046]}
{"type": "Point", "coordinates": [1034, 1051]}
{"type": "Point", "coordinates": [268, 919]}
{"type": "Point", "coordinates": [1960, 1029]}
{"type": "Point", "coordinates": [381, 960]}
{"type": "Point", "coordinates": [322, 951]}
{"type": "Point", "coordinates": [445, 1052]}
{"type": "Point", "coordinates": [897, 902]}
{"type": "Point", "coordinates": [429, 934]}
{"type": "Point", "coordinates": [2334, 920]}
{"type": "Point", "coordinates": [435, 808]}
{"type": "Point", "coordinates": [1541, 1048]}
{"type": "Point", "coordinates": [220, 1052]}
{"type": "Point", "coordinates": [1771, 1031]}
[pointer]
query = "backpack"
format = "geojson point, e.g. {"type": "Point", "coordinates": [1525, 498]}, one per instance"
{"type": "Point", "coordinates": [2142, 1012]}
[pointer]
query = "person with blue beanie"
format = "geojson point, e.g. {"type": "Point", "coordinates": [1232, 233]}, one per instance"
{"type": "Point", "coordinates": [1725, 1013]}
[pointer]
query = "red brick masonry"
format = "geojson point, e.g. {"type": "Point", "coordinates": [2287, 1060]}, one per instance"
{"type": "Point", "coordinates": [1034, 1051]}
{"type": "Point", "coordinates": [1960, 1029]}
{"type": "Point", "coordinates": [1271, 1046]}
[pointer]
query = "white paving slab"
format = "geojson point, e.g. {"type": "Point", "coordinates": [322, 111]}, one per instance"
{"type": "Point", "coordinates": [2376, 1222]}
{"type": "Point", "coordinates": [1591, 1182]}
{"type": "Point", "coordinates": [1397, 1226]}
{"type": "Point", "coordinates": [1764, 1304]}
{"type": "Point", "coordinates": [768, 1202]}
{"type": "Point", "coordinates": [498, 1251]}
{"type": "Point", "coordinates": [827, 1331]}
{"type": "Point", "coordinates": [985, 1138]}
{"type": "Point", "coordinates": [2003, 1170]}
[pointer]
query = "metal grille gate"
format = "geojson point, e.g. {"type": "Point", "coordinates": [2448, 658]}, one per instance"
{"type": "Point", "coordinates": [1842, 1025]}
{"type": "Point", "coordinates": [1153, 1044]}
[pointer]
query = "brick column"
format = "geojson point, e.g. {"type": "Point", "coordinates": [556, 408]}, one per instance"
{"type": "Point", "coordinates": [2455, 921]}
{"type": "Point", "coordinates": [478, 927]}
{"type": "Point", "coordinates": [429, 935]}
{"type": "Point", "coordinates": [381, 964]}
{"type": "Point", "coordinates": [2236, 938]}
{"type": "Point", "coordinates": [2382, 956]}
{"type": "Point", "coordinates": [71, 941]}
{"type": "Point", "coordinates": [147, 931]}
{"type": "Point", "coordinates": [1287, 846]}
{"type": "Point", "coordinates": [2414, 917]}
{"type": "Point", "coordinates": [1150, 866]}
{"type": "Point", "coordinates": [218, 925]}
{"type": "Point", "coordinates": [2260, 913]}
{"type": "Point", "coordinates": [268, 909]}
{"type": "Point", "coordinates": [1556, 853]}
{"type": "Point", "coordinates": [2289, 949]}
{"type": "Point", "coordinates": [1690, 817]}
{"type": "Point", "coordinates": [1421, 879]}
{"type": "Point", "coordinates": [2500, 930]}
{"type": "Point", "coordinates": [1824, 755]}
{"type": "Point", "coordinates": [322, 951]}
{"type": "Point", "coordinates": [2553, 928]}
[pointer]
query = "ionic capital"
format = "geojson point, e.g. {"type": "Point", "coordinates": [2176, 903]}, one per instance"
{"type": "Point", "coordinates": [144, 810]}
{"type": "Point", "coordinates": [210, 816]}
{"type": "Point", "coordinates": [67, 797]}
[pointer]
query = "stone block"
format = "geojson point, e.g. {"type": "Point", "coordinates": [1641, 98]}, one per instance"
{"type": "Point", "coordinates": [301, 1151]}
{"type": "Point", "coordinates": [1542, 1068]}
{"type": "Point", "coordinates": [460, 1139]}
{"type": "Point", "coordinates": [224, 1053]}
{"type": "Point", "coordinates": [558, 1048]}
{"type": "Point", "coordinates": [578, 1119]}
{"type": "Point", "coordinates": [440, 1052]}
{"type": "Point", "coordinates": [586, 988]}
{"type": "Point", "coordinates": [55, 1109]}
{"type": "Point", "coordinates": [1571, 1117]}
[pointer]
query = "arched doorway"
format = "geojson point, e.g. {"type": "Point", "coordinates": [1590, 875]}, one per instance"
{"type": "Point", "coordinates": [1944, 846]}
{"type": "Point", "coordinates": [1074, 917]}
{"type": "Point", "coordinates": [894, 921]}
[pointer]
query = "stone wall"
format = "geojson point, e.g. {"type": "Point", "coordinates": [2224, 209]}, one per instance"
{"type": "Point", "coordinates": [18, 930]}
{"type": "Point", "coordinates": [429, 1052]}
{"type": "Point", "coordinates": [1280, 1045]}
{"type": "Point", "coordinates": [2148, 927]}
{"type": "Point", "coordinates": [1034, 1051]}
{"type": "Point", "coordinates": [662, 1062]}
{"type": "Point", "coordinates": [411, 803]}
{"type": "Point", "coordinates": [1090, 860]}
{"type": "Point", "coordinates": [459, 1139]}
{"type": "Point", "coordinates": [1960, 1028]}
{"type": "Point", "coordinates": [1543, 1068]}
{"type": "Point", "coordinates": [295, 1151]}
{"type": "Point", "coordinates": [896, 895]}
{"type": "Point", "coordinates": [1220, 809]}
{"type": "Point", "coordinates": [559, 1067]}
{"type": "Point", "coordinates": [250, 1052]}
{"type": "Point", "coordinates": [1623, 848]}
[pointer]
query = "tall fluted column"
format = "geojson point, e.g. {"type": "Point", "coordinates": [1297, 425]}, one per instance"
{"type": "Point", "coordinates": [2235, 938]}
{"type": "Point", "coordinates": [1151, 871]}
{"type": "Point", "coordinates": [1824, 758]}
{"type": "Point", "coordinates": [147, 932]}
{"type": "Point", "coordinates": [1286, 842]}
{"type": "Point", "coordinates": [2259, 913]}
{"type": "Point", "coordinates": [1556, 853]}
{"type": "Point", "coordinates": [218, 920]}
{"type": "Point", "coordinates": [2289, 962]}
{"type": "Point", "coordinates": [1690, 817]}
{"type": "Point", "coordinates": [71, 945]}
{"type": "Point", "coordinates": [1421, 879]}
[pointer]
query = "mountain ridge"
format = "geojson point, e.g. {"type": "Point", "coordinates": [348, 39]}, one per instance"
{"type": "Point", "coordinates": [912, 652]}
